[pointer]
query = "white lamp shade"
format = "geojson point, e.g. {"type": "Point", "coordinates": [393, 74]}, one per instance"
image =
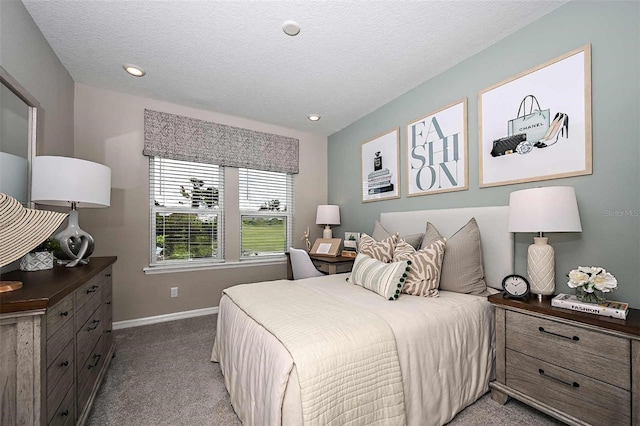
{"type": "Point", "coordinates": [548, 209]}
{"type": "Point", "coordinates": [13, 176]}
{"type": "Point", "coordinates": [58, 181]}
{"type": "Point", "coordinates": [328, 215]}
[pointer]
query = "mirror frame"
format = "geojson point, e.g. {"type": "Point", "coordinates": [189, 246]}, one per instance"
{"type": "Point", "coordinates": [36, 115]}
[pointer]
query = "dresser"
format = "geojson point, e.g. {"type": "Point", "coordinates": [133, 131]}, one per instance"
{"type": "Point", "coordinates": [577, 367]}
{"type": "Point", "coordinates": [56, 343]}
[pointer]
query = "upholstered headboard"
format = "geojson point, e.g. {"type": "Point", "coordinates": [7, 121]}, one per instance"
{"type": "Point", "coordinates": [497, 242]}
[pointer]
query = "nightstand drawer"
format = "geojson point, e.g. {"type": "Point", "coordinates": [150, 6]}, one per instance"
{"type": "Point", "coordinates": [575, 394]}
{"type": "Point", "coordinates": [597, 355]}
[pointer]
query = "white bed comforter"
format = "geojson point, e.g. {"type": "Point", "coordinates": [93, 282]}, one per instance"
{"type": "Point", "coordinates": [444, 344]}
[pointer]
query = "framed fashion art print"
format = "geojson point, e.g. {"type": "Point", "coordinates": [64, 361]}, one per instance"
{"type": "Point", "coordinates": [437, 151]}
{"type": "Point", "coordinates": [380, 166]}
{"type": "Point", "coordinates": [537, 125]}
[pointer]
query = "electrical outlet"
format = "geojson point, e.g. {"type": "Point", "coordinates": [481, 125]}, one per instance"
{"type": "Point", "coordinates": [174, 291]}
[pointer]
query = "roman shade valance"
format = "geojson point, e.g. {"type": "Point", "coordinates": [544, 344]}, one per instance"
{"type": "Point", "coordinates": [188, 139]}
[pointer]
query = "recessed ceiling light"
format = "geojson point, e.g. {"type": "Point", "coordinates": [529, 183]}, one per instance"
{"type": "Point", "coordinates": [134, 70]}
{"type": "Point", "coordinates": [314, 117]}
{"type": "Point", "coordinates": [291, 28]}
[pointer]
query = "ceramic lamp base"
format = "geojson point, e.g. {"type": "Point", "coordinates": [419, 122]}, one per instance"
{"type": "Point", "coordinates": [541, 267]}
{"type": "Point", "coordinates": [327, 232]}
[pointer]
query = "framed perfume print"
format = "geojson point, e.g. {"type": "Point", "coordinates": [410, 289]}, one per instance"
{"type": "Point", "coordinates": [380, 166]}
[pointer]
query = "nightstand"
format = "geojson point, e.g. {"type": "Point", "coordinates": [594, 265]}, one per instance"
{"type": "Point", "coordinates": [579, 368]}
{"type": "Point", "coordinates": [326, 264]}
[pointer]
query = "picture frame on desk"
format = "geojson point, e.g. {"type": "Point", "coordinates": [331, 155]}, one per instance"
{"type": "Point", "coordinates": [329, 247]}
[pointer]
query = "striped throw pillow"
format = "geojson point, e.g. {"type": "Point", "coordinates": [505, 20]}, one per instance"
{"type": "Point", "coordinates": [380, 250]}
{"type": "Point", "coordinates": [384, 278]}
{"type": "Point", "coordinates": [424, 277]}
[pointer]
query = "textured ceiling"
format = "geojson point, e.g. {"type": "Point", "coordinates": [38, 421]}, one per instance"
{"type": "Point", "coordinates": [350, 58]}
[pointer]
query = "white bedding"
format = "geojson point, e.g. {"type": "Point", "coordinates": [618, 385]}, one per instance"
{"type": "Point", "coordinates": [445, 349]}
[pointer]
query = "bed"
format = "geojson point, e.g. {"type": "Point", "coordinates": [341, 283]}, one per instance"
{"type": "Point", "coordinates": [324, 351]}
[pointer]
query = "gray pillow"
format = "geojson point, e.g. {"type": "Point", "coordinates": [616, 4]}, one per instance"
{"type": "Point", "coordinates": [462, 269]}
{"type": "Point", "coordinates": [379, 234]}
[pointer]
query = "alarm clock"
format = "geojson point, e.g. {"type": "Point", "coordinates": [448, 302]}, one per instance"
{"type": "Point", "coordinates": [515, 287]}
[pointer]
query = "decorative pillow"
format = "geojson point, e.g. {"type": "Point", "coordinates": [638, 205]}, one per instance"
{"type": "Point", "coordinates": [424, 277]}
{"type": "Point", "coordinates": [380, 250]}
{"type": "Point", "coordinates": [384, 278]}
{"type": "Point", "coordinates": [379, 234]}
{"type": "Point", "coordinates": [462, 270]}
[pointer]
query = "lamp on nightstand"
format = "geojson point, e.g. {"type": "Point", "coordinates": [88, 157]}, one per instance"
{"type": "Point", "coordinates": [548, 209]}
{"type": "Point", "coordinates": [328, 215]}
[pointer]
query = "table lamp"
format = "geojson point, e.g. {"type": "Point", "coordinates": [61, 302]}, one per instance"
{"type": "Point", "coordinates": [547, 209]}
{"type": "Point", "coordinates": [22, 230]}
{"type": "Point", "coordinates": [63, 181]}
{"type": "Point", "coordinates": [327, 215]}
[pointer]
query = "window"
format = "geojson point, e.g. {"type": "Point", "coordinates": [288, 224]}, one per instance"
{"type": "Point", "coordinates": [266, 212]}
{"type": "Point", "coordinates": [186, 211]}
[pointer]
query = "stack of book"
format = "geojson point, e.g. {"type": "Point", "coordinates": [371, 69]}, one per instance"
{"type": "Point", "coordinates": [608, 308]}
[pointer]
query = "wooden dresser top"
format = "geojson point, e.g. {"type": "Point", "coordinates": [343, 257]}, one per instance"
{"type": "Point", "coordinates": [42, 289]}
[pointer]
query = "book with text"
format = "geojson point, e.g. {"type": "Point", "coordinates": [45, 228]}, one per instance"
{"type": "Point", "coordinates": [608, 308]}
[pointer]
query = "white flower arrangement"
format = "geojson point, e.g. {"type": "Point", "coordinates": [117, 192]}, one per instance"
{"type": "Point", "coordinates": [592, 278]}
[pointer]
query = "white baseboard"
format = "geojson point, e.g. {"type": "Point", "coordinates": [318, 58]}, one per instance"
{"type": "Point", "coordinates": [164, 318]}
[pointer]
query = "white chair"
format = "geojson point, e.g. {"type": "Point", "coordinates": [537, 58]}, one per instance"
{"type": "Point", "coordinates": [301, 265]}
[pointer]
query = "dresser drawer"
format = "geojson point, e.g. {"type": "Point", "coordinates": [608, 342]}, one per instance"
{"type": "Point", "coordinates": [88, 373]}
{"type": "Point", "coordinates": [62, 364]}
{"type": "Point", "coordinates": [89, 333]}
{"type": "Point", "coordinates": [575, 394]}
{"type": "Point", "coordinates": [92, 287]}
{"type": "Point", "coordinates": [59, 314]}
{"type": "Point", "coordinates": [597, 355]}
{"type": "Point", "coordinates": [57, 393]}
{"type": "Point", "coordinates": [59, 341]}
{"type": "Point", "coordinates": [83, 313]}
{"type": "Point", "coordinates": [65, 414]}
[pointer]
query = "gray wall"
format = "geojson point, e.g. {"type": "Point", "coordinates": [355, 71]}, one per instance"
{"type": "Point", "coordinates": [26, 55]}
{"type": "Point", "coordinates": [109, 130]}
{"type": "Point", "coordinates": [607, 239]}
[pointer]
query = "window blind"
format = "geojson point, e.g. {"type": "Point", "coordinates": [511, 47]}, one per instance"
{"type": "Point", "coordinates": [266, 211]}
{"type": "Point", "coordinates": [186, 211]}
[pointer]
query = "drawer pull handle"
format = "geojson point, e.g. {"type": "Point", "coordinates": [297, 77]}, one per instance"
{"type": "Point", "coordinates": [107, 331]}
{"type": "Point", "coordinates": [94, 326]}
{"type": "Point", "coordinates": [574, 384]}
{"type": "Point", "coordinates": [108, 303]}
{"type": "Point", "coordinates": [64, 364]}
{"type": "Point", "coordinates": [64, 413]}
{"type": "Point", "coordinates": [64, 313]}
{"type": "Point", "coordinates": [107, 275]}
{"type": "Point", "coordinates": [574, 338]}
{"type": "Point", "coordinates": [93, 288]}
{"type": "Point", "coordinates": [97, 358]}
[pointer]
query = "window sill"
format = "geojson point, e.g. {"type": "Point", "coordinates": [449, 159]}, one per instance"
{"type": "Point", "coordinates": [168, 269]}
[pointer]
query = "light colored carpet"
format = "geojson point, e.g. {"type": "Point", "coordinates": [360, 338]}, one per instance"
{"type": "Point", "coordinates": [162, 375]}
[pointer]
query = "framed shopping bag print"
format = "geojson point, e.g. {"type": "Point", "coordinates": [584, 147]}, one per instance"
{"type": "Point", "coordinates": [537, 125]}
{"type": "Point", "coordinates": [380, 166]}
{"type": "Point", "coordinates": [437, 151]}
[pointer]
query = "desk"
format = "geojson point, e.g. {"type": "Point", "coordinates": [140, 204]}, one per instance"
{"type": "Point", "coordinates": [328, 265]}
